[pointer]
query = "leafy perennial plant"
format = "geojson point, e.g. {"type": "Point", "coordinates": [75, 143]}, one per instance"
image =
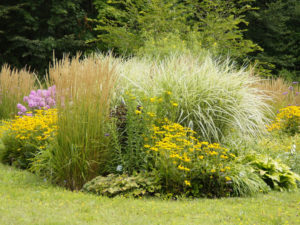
{"type": "Point", "coordinates": [26, 135]}
{"type": "Point", "coordinates": [189, 165]}
{"type": "Point", "coordinates": [287, 120]}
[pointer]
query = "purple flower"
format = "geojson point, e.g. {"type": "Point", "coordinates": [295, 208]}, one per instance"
{"type": "Point", "coordinates": [39, 92]}
{"type": "Point", "coordinates": [28, 114]}
{"type": "Point", "coordinates": [295, 82]}
{"type": "Point", "coordinates": [285, 93]}
{"type": "Point", "coordinates": [25, 99]}
{"type": "Point", "coordinates": [31, 104]}
{"type": "Point", "coordinates": [33, 93]}
{"type": "Point", "coordinates": [107, 134]}
{"type": "Point", "coordinates": [19, 106]}
{"type": "Point", "coordinates": [297, 93]}
{"type": "Point", "coordinates": [23, 109]}
{"type": "Point", "coordinates": [291, 88]}
{"type": "Point", "coordinates": [42, 103]}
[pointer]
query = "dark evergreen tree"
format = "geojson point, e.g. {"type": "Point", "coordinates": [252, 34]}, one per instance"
{"type": "Point", "coordinates": [30, 31]}
{"type": "Point", "coordinates": [275, 26]}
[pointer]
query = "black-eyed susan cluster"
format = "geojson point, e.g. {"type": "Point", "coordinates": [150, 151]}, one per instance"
{"type": "Point", "coordinates": [287, 120]}
{"type": "Point", "coordinates": [37, 130]}
{"type": "Point", "coordinates": [188, 154]}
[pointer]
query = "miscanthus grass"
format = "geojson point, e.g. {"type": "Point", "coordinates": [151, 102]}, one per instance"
{"type": "Point", "coordinates": [214, 98]}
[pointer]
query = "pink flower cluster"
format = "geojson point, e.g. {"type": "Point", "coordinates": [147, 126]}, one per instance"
{"type": "Point", "coordinates": [40, 99]}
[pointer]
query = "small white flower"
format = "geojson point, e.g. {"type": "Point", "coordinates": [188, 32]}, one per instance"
{"type": "Point", "coordinates": [293, 149]}
{"type": "Point", "coordinates": [119, 168]}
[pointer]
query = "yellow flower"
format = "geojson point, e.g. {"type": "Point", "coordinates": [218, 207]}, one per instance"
{"type": "Point", "coordinates": [169, 92]}
{"type": "Point", "coordinates": [154, 149]}
{"type": "Point", "coordinates": [227, 178]}
{"type": "Point", "coordinates": [224, 157]}
{"type": "Point", "coordinates": [175, 104]}
{"type": "Point", "coordinates": [187, 183]}
{"type": "Point", "coordinates": [183, 168]}
{"type": "Point", "coordinates": [147, 146]}
{"type": "Point", "coordinates": [200, 156]}
{"type": "Point", "coordinates": [152, 99]}
{"type": "Point", "coordinates": [151, 114]}
{"type": "Point", "coordinates": [213, 171]}
{"type": "Point", "coordinates": [138, 112]}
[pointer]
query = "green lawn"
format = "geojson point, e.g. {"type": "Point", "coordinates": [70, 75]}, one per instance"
{"type": "Point", "coordinates": [26, 199]}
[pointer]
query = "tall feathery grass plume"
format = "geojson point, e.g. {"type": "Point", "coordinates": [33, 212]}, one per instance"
{"type": "Point", "coordinates": [283, 93]}
{"type": "Point", "coordinates": [14, 85]}
{"type": "Point", "coordinates": [84, 90]}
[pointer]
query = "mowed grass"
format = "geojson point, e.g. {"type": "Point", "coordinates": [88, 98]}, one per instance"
{"type": "Point", "coordinates": [26, 199]}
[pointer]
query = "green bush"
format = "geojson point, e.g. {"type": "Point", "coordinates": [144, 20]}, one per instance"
{"type": "Point", "coordinates": [160, 28]}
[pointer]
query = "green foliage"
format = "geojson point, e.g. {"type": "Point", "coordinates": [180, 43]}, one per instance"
{"type": "Point", "coordinates": [217, 26]}
{"type": "Point", "coordinates": [160, 28]}
{"type": "Point", "coordinates": [136, 185]}
{"type": "Point", "coordinates": [276, 174]}
{"type": "Point", "coordinates": [32, 30]}
{"type": "Point", "coordinates": [132, 128]}
{"type": "Point", "coordinates": [275, 27]}
{"type": "Point", "coordinates": [245, 182]}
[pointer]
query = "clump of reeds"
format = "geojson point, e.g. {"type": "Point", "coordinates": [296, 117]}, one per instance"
{"type": "Point", "coordinates": [14, 85]}
{"type": "Point", "coordinates": [283, 93]}
{"type": "Point", "coordinates": [84, 90]}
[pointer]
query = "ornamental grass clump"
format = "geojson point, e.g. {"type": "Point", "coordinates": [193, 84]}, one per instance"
{"type": "Point", "coordinates": [25, 136]}
{"type": "Point", "coordinates": [283, 93]}
{"type": "Point", "coordinates": [214, 98]}
{"type": "Point", "coordinates": [84, 91]}
{"type": "Point", "coordinates": [14, 85]}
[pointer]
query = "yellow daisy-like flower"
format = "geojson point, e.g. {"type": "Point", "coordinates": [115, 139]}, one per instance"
{"type": "Point", "coordinates": [138, 112]}
{"type": "Point", "coordinates": [187, 183]}
{"type": "Point", "coordinates": [227, 178]}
